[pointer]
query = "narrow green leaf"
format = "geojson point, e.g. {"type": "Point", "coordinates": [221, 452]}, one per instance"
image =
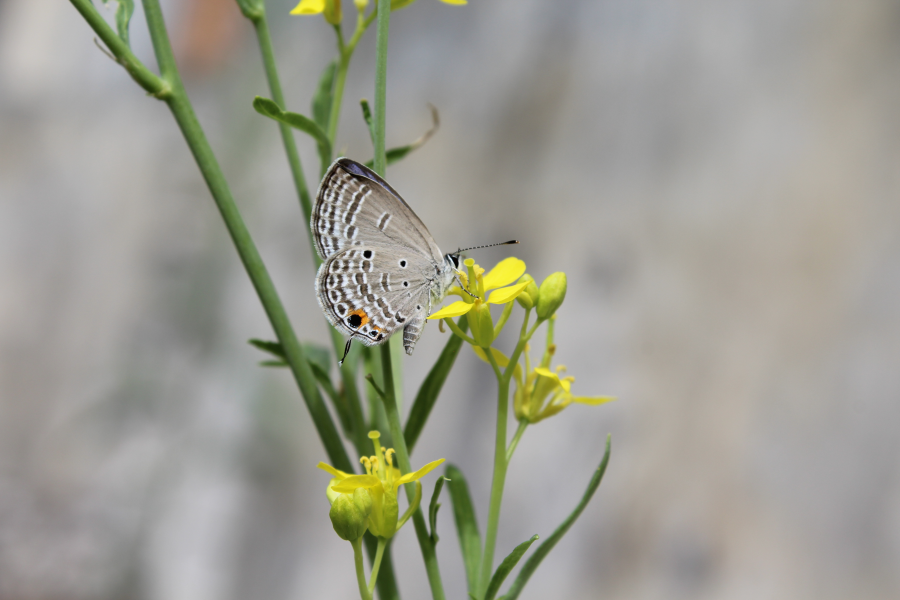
{"type": "Point", "coordinates": [266, 346]}
{"type": "Point", "coordinates": [367, 116]}
{"type": "Point", "coordinates": [321, 102]}
{"type": "Point", "coordinates": [269, 108]}
{"type": "Point", "coordinates": [431, 388]}
{"type": "Point", "coordinates": [466, 526]}
{"type": "Point", "coordinates": [319, 359]}
{"type": "Point", "coordinates": [123, 18]}
{"type": "Point", "coordinates": [535, 559]}
{"type": "Point", "coordinates": [506, 566]}
{"type": "Point", "coordinates": [316, 355]}
{"type": "Point", "coordinates": [272, 363]}
{"type": "Point", "coordinates": [433, 508]}
{"type": "Point", "coordinates": [394, 154]}
{"type": "Point", "coordinates": [124, 10]}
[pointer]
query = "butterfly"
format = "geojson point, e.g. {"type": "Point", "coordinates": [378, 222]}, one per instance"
{"type": "Point", "coordinates": [382, 269]}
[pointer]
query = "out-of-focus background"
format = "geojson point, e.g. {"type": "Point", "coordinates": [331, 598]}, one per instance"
{"type": "Point", "coordinates": [719, 180]}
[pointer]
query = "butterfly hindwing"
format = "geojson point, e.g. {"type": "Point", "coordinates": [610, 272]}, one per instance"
{"type": "Point", "coordinates": [368, 296]}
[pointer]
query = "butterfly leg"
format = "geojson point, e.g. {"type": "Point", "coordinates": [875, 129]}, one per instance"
{"type": "Point", "coordinates": [346, 352]}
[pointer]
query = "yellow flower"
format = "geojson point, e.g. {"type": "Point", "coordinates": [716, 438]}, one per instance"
{"type": "Point", "coordinates": [541, 393]}
{"type": "Point", "coordinates": [475, 299]}
{"type": "Point", "coordinates": [506, 272]}
{"type": "Point", "coordinates": [381, 481]}
{"type": "Point", "coordinates": [331, 9]}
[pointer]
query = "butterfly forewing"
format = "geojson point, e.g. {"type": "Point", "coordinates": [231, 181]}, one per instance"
{"type": "Point", "coordinates": [354, 205]}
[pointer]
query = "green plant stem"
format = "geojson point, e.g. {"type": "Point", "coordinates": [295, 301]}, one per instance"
{"type": "Point", "coordinates": [523, 424]}
{"type": "Point", "coordinates": [154, 85]}
{"type": "Point", "coordinates": [376, 564]}
{"type": "Point", "coordinates": [380, 116]}
{"type": "Point", "coordinates": [393, 415]}
{"type": "Point", "coordinates": [180, 106]}
{"type": "Point", "coordinates": [497, 481]}
{"type": "Point", "coordinates": [260, 23]}
{"type": "Point", "coordinates": [345, 53]}
{"type": "Point", "coordinates": [459, 332]}
{"type": "Point", "coordinates": [501, 455]}
{"type": "Point", "coordinates": [364, 591]}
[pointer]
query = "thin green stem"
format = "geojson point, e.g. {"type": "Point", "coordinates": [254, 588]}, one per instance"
{"type": "Point", "coordinates": [260, 23]}
{"type": "Point", "coordinates": [523, 424]}
{"type": "Point", "coordinates": [393, 415]}
{"type": "Point", "coordinates": [498, 480]}
{"type": "Point", "coordinates": [154, 85]}
{"type": "Point", "coordinates": [459, 332]}
{"type": "Point", "coordinates": [501, 454]}
{"type": "Point", "coordinates": [184, 115]}
{"type": "Point", "coordinates": [380, 116]}
{"type": "Point", "coordinates": [364, 592]}
{"type": "Point", "coordinates": [376, 565]}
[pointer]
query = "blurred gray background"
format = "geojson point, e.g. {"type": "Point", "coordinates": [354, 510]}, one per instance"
{"type": "Point", "coordinates": [718, 179]}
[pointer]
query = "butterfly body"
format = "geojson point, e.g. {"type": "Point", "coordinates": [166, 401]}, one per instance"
{"type": "Point", "coordinates": [382, 270]}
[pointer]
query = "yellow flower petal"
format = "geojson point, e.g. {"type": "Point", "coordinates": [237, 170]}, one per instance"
{"type": "Point", "coordinates": [506, 271]}
{"type": "Point", "coordinates": [547, 373]}
{"type": "Point", "coordinates": [456, 2]}
{"type": "Point", "coordinates": [593, 400]}
{"type": "Point", "coordinates": [418, 474]}
{"type": "Point", "coordinates": [333, 471]}
{"type": "Point", "coordinates": [453, 310]}
{"type": "Point", "coordinates": [356, 481]}
{"type": "Point", "coordinates": [309, 7]}
{"type": "Point", "coordinates": [507, 294]}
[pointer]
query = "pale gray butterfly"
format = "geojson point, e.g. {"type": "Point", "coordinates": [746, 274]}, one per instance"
{"type": "Point", "coordinates": [382, 270]}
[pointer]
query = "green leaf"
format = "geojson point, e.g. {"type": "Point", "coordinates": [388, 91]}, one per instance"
{"type": "Point", "coordinates": [269, 108]}
{"type": "Point", "coordinates": [367, 116]}
{"type": "Point", "coordinates": [394, 154]}
{"type": "Point", "coordinates": [270, 347]}
{"type": "Point", "coordinates": [272, 363]}
{"type": "Point", "coordinates": [319, 359]}
{"type": "Point", "coordinates": [506, 566]}
{"type": "Point", "coordinates": [535, 559]}
{"type": "Point", "coordinates": [124, 10]}
{"type": "Point", "coordinates": [431, 388]}
{"type": "Point", "coordinates": [466, 526]}
{"type": "Point", "coordinates": [321, 102]}
{"type": "Point", "coordinates": [433, 508]}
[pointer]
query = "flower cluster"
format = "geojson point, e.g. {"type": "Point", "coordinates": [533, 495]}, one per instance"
{"type": "Point", "coordinates": [360, 502]}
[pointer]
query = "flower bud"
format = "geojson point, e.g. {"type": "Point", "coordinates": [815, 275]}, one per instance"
{"type": "Point", "coordinates": [551, 295]}
{"type": "Point", "coordinates": [332, 12]}
{"type": "Point", "coordinates": [361, 5]}
{"type": "Point", "coordinates": [481, 324]}
{"type": "Point", "coordinates": [350, 512]}
{"type": "Point", "coordinates": [528, 298]}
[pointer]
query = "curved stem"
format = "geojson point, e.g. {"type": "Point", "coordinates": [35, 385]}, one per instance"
{"type": "Point", "coordinates": [523, 424]}
{"type": "Point", "coordinates": [364, 591]}
{"type": "Point", "coordinates": [209, 167]}
{"type": "Point", "coordinates": [376, 565]}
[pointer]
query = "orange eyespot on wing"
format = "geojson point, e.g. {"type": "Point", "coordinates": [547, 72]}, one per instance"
{"type": "Point", "coordinates": [357, 318]}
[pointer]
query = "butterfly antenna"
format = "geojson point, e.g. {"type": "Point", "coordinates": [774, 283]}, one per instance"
{"type": "Point", "coordinates": [346, 352]}
{"type": "Point", "coordinates": [488, 246]}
